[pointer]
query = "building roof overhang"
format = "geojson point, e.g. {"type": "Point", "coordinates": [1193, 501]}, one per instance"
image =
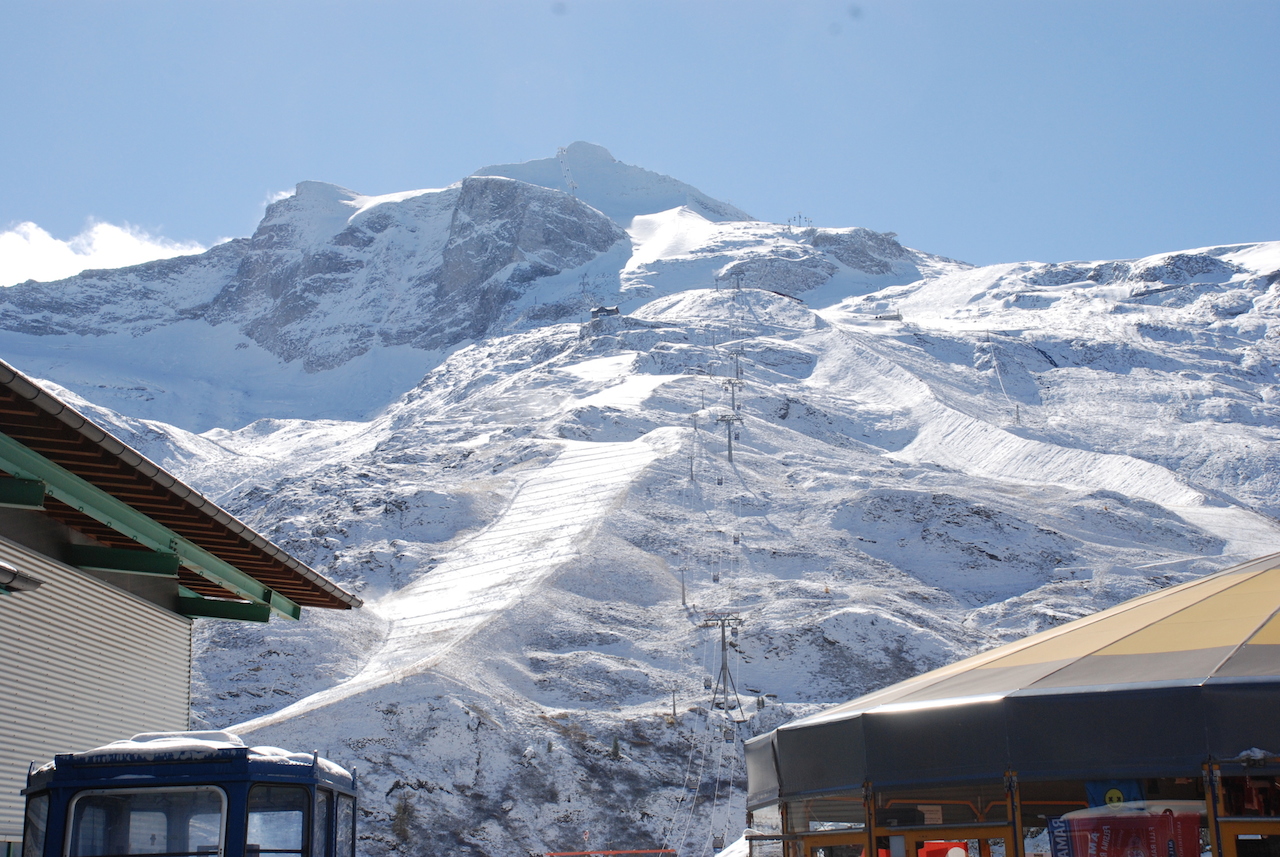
{"type": "Point", "coordinates": [96, 484]}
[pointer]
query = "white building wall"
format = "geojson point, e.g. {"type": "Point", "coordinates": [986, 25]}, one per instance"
{"type": "Point", "coordinates": [82, 664]}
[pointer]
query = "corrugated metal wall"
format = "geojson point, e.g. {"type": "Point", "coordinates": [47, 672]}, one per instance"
{"type": "Point", "coordinates": [81, 664]}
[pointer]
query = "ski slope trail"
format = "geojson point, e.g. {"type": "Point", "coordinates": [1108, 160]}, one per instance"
{"type": "Point", "coordinates": [947, 437]}
{"type": "Point", "coordinates": [540, 530]}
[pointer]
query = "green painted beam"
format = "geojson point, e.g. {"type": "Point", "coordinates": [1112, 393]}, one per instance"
{"type": "Point", "coordinates": [21, 493]}
{"type": "Point", "coordinates": [211, 608]}
{"type": "Point", "coordinates": [123, 561]}
{"type": "Point", "coordinates": [65, 486]}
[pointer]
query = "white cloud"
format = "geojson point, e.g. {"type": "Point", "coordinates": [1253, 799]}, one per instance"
{"type": "Point", "coordinates": [27, 252]}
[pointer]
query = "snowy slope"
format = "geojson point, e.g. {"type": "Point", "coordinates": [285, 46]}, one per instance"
{"type": "Point", "coordinates": [891, 514]}
{"type": "Point", "coordinates": [621, 191]}
{"type": "Point", "coordinates": [539, 509]}
{"type": "Point", "coordinates": [494, 570]}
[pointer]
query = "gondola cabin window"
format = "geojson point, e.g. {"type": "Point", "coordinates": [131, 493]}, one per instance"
{"type": "Point", "coordinates": [277, 821]}
{"type": "Point", "coordinates": [346, 826]}
{"type": "Point", "coordinates": [35, 825]}
{"type": "Point", "coordinates": [174, 822]}
{"type": "Point", "coordinates": [321, 841]}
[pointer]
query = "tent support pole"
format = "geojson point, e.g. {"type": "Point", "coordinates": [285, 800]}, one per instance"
{"type": "Point", "coordinates": [869, 806]}
{"type": "Point", "coordinates": [1213, 806]}
{"type": "Point", "coordinates": [1014, 802]}
{"type": "Point", "coordinates": [786, 826]}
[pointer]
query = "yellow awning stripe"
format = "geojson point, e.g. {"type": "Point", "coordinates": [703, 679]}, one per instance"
{"type": "Point", "coordinates": [1227, 618]}
{"type": "Point", "coordinates": [1269, 633]}
{"type": "Point", "coordinates": [1110, 631]}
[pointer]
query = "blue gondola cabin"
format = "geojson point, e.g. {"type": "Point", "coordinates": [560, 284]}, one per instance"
{"type": "Point", "coordinates": [189, 794]}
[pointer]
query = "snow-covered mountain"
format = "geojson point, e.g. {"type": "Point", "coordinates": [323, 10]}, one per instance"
{"type": "Point", "coordinates": [337, 291]}
{"type": "Point", "coordinates": [540, 510]}
{"type": "Point", "coordinates": [331, 280]}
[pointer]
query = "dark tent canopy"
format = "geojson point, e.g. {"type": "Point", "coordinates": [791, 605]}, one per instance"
{"type": "Point", "coordinates": [1154, 687]}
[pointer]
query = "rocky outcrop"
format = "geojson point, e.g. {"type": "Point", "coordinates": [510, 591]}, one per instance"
{"type": "Point", "coordinates": [861, 249]}
{"type": "Point", "coordinates": [1169, 269]}
{"type": "Point", "coordinates": [134, 299]}
{"type": "Point", "coordinates": [429, 271]}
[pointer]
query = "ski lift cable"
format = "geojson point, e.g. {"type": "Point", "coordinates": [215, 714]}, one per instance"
{"type": "Point", "coordinates": [715, 795]}
{"type": "Point", "coordinates": [693, 804]}
{"type": "Point", "coordinates": [737, 677]}
{"type": "Point", "coordinates": [732, 761]}
{"type": "Point", "coordinates": [693, 750]}
{"type": "Point", "coordinates": [702, 773]}
{"type": "Point", "coordinates": [724, 732]}
{"type": "Point", "coordinates": [995, 361]}
{"type": "Point", "coordinates": [702, 766]}
{"type": "Point", "coordinates": [710, 819]}
{"type": "Point", "coordinates": [715, 800]}
{"type": "Point", "coordinates": [684, 785]}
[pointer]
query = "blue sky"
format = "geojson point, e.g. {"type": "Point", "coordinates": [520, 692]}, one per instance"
{"type": "Point", "coordinates": [985, 131]}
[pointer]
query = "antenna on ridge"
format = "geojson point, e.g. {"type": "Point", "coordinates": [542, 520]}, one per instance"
{"type": "Point", "coordinates": [561, 154]}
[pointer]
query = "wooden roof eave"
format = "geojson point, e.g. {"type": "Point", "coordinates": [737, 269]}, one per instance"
{"type": "Point", "coordinates": [121, 472]}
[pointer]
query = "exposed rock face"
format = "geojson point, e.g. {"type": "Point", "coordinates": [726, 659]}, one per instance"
{"type": "Point", "coordinates": [499, 223]}
{"type": "Point", "coordinates": [791, 270]}
{"type": "Point", "coordinates": [429, 271]}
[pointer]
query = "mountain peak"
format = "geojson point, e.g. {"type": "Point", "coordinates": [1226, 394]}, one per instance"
{"type": "Point", "coordinates": [311, 215]}
{"type": "Point", "coordinates": [323, 192]}
{"type": "Point", "coordinates": [584, 152]}
{"type": "Point", "coordinates": [621, 191]}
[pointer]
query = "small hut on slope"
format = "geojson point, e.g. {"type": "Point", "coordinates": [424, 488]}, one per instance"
{"type": "Point", "coordinates": [1148, 730]}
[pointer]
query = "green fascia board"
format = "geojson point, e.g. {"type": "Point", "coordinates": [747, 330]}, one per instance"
{"type": "Point", "coordinates": [123, 561]}
{"type": "Point", "coordinates": [21, 493]}
{"type": "Point", "coordinates": [65, 486]}
{"type": "Point", "coordinates": [212, 608]}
